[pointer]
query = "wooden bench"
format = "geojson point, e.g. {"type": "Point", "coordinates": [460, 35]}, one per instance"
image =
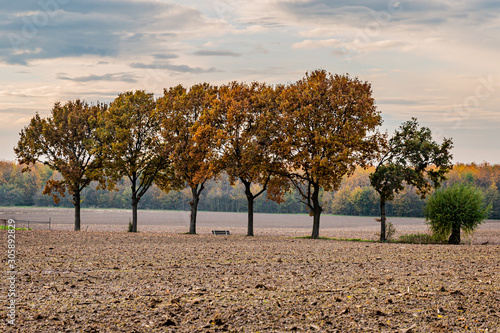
{"type": "Point", "coordinates": [221, 232]}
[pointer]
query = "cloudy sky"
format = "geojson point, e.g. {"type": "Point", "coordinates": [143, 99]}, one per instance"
{"type": "Point", "coordinates": [434, 60]}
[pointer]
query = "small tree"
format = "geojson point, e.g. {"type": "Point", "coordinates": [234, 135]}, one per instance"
{"type": "Point", "coordinates": [460, 207]}
{"type": "Point", "coordinates": [411, 157]}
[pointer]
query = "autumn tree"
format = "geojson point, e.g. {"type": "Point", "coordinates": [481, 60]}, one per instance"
{"type": "Point", "coordinates": [67, 142]}
{"type": "Point", "coordinates": [410, 157]}
{"type": "Point", "coordinates": [133, 147]}
{"type": "Point", "coordinates": [184, 114]}
{"type": "Point", "coordinates": [18, 187]}
{"type": "Point", "coordinates": [245, 116]}
{"type": "Point", "coordinates": [328, 124]}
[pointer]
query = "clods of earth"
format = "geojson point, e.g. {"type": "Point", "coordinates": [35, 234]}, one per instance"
{"type": "Point", "coordinates": [122, 282]}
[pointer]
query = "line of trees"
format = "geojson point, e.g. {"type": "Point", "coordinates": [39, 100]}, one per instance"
{"type": "Point", "coordinates": [305, 137]}
{"type": "Point", "coordinates": [355, 197]}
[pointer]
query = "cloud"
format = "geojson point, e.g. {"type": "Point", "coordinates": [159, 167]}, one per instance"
{"type": "Point", "coordinates": [269, 71]}
{"type": "Point", "coordinates": [120, 77]}
{"type": "Point", "coordinates": [378, 45]}
{"type": "Point", "coordinates": [175, 68]}
{"type": "Point", "coordinates": [165, 56]}
{"type": "Point", "coordinates": [354, 47]}
{"type": "Point", "coordinates": [218, 53]}
{"type": "Point", "coordinates": [315, 44]}
{"type": "Point", "coordinates": [398, 101]}
{"type": "Point", "coordinates": [33, 30]}
{"type": "Point", "coordinates": [342, 10]}
{"type": "Point", "coordinates": [341, 17]}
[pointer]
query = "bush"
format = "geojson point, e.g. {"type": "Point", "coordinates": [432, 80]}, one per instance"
{"type": "Point", "coordinates": [460, 207]}
{"type": "Point", "coordinates": [390, 230]}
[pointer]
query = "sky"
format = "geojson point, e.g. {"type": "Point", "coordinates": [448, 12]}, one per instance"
{"type": "Point", "coordinates": [438, 61]}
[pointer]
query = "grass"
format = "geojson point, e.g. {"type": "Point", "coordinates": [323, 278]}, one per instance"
{"type": "Point", "coordinates": [340, 239]}
{"type": "Point", "coordinates": [419, 238]}
{"type": "Point", "coordinates": [3, 227]}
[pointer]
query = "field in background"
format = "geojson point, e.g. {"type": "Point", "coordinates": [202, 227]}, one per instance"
{"type": "Point", "coordinates": [265, 224]}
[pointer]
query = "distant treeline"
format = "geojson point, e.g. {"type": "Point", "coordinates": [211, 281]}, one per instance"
{"type": "Point", "coordinates": [354, 197]}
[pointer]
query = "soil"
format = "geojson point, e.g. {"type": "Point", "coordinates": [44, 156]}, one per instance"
{"type": "Point", "coordinates": [103, 281]}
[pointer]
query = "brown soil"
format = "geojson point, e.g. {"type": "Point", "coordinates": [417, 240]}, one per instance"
{"type": "Point", "coordinates": [155, 282]}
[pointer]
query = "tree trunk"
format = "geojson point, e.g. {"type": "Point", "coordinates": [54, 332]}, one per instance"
{"type": "Point", "coordinates": [194, 207]}
{"type": "Point", "coordinates": [316, 208]}
{"type": "Point", "coordinates": [382, 220]}
{"type": "Point", "coordinates": [135, 202]}
{"type": "Point", "coordinates": [455, 234]}
{"type": "Point", "coordinates": [250, 215]}
{"type": "Point", "coordinates": [76, 202]}
{"type": "Point", "coordinates": [315, 231]}
{"type": "Point", "coordinates": [250, 200]}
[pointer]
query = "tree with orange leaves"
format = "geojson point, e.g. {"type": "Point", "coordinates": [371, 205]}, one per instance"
{"type": "Point", "coordinates": [244, 130]}
{"type": "Point", "coordinates": [67, 142]}
{"type": "Point", "coordinates": [329, 128]}
{"type": "Point", "coordinates": [184, 114]}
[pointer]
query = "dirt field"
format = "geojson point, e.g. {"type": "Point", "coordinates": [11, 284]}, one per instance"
{"type": "Point", "coordinates": [155, 282]}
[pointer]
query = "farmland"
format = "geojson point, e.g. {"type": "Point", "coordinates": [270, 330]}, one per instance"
{"type": "Point", "coordinates": [265, 224]}
{"type": "Point", "coordinates": [161, 280]}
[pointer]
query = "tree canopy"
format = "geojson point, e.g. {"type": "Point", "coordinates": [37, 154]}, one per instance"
{"type": "Point", "coordinates": [328, 125]}
{"type": "Point", "coordinates": [132, 145]}
{"type": "Point", "coordinates": [67, 142]}
{"type": "Point", "coordinates": [244, 132]}
{"type": "Point", "coordinates": [184, 116]}
{"type": "Point", "coordinates": [411, 157]}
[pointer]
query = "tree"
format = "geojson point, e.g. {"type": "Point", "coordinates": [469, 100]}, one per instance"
{"type": "Point", "coordinates": [194, 159]}
{"type": "Point", "coordinates": [492, 195]}
{"type": "Point", "coordinates": [411, 157]}
{"type": "Point", "coordinates": [18, 187]}
{"type": "Point", "coordinates": [460, 207]}
{"type": "Point", "coordinates": [133, 147]}
{"type": "Point", "coordinates": [364, 200]}
{"type": "Point", "coordinates": [67, 142]}
{"type": "Point", "coordinates": [245, 114]}
{"type": "Point", "coordinates": [328, 129]}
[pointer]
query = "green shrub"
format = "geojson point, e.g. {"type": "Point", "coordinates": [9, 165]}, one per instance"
{"type": "Point", "coordinates": [390, 230]}
{"type": "Point", "coordinates": [460, 207]}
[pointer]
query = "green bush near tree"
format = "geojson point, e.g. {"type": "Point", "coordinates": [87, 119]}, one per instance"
{"type": "Point", "coordinates": [459, 207]}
